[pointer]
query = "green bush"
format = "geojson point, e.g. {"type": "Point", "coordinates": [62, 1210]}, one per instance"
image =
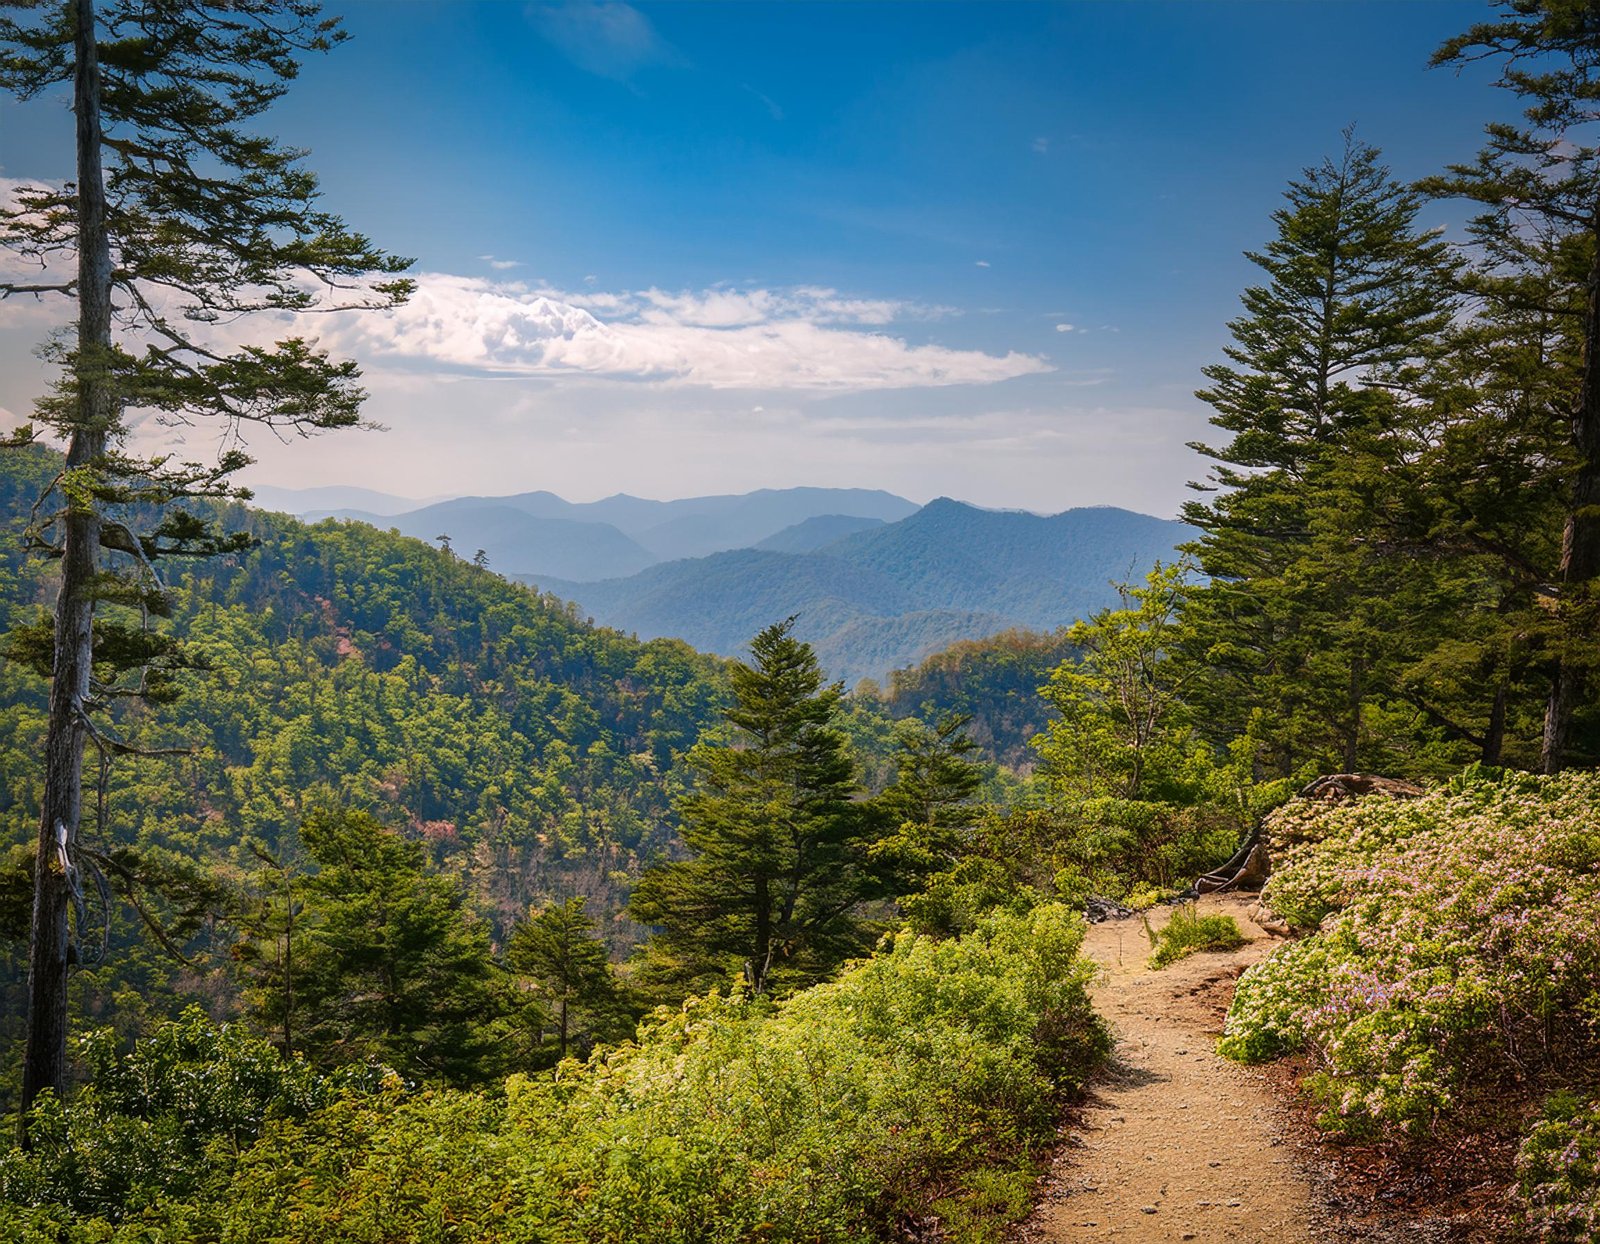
{"type": "Point", "coordinates": [155, 1122]}
{"type": "Point", "coordinates": [919, 1082]}
{"type": "Point", "coordinates": [1455, 933]}
{"type": "Point", "coordinates": [1189, 933]}
{"type": "Point", "coordinates": [1558, 1170]}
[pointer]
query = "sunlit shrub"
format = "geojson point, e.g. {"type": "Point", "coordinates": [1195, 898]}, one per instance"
{"type": "Point", "coordinates": [1558, 1170]}
{"type": "Point", "coordinates": [919, 1082]}
{"type": "Point", "coordinates": [1458, 938]}
{"type": "Point", "coordinates": [1188, 933]}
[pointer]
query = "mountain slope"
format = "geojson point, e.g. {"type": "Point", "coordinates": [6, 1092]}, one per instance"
{"type": "Point", "coordinates": [814, 533]}
{"type": "Point", "coordinates": [517, 541]}
{"type": "Point", "coordinates": [1041, 571]}
{"type": "Point", "coordinates": [883, 598]}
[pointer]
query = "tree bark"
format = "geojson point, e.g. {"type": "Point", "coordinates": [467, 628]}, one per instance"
{"type": "Point", "coordinates": [761, 960]}
{"type": "Point", "coordinates": [50, 946]}
{"type": "Point", "coordinates": [1580, 541]}
{"type": "Point", "coordinates": [1494, 737]}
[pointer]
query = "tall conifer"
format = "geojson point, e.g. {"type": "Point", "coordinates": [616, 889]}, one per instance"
{"type": "Point", "coordinates": [176, 219]}
{"type": "Point", "coordinates": [779, 866]}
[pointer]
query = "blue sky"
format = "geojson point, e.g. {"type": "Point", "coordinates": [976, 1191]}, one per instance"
{"type": "Point", "coordinates": [975, 250]}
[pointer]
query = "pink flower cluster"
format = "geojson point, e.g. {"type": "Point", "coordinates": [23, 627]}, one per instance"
{"type": "Point", "coordinates": [1456, 937]}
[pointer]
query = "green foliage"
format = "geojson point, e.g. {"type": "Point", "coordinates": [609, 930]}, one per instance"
{"type": "Point", "coordinates": [780, 864]}
{"type": "Point", "coordinates": [1187, 933]}
{"type": "Point", "coordinates": [932, 801]}
{"type": "Point", "coordinates": [162, 1120]}
{"type": "Point", "coordinates": [993, 682]}
{"type": "Point", "coordinates": [391, 968]}
{"type": "Point", "coordinates": [1011, 860]}
{"type": "Point", "coordinates": [557, 952]}
{"type": "Point", "coordinates": [918, 1083]}
{"type": "Point", "coordinates": [1558, 1170]}
{"type": "Point", "coordinates": [1457, 934]}
{"type": "Point", "coordinates": [1354, 615]}
{"type": "Point", "coordinates": [1142, 798]}
{"type": "Point", "coordinates": [529, 754]}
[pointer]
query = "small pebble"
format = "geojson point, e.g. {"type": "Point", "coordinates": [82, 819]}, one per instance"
{"type": "Point", "coordinates": [1147, 1209]}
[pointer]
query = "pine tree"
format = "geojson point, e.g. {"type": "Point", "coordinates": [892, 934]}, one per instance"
{"type": "Point", "coordinates": [1539, 183]}
{"type": "Point", "coordinates": [931, 804]}
{"type": "Point", "coordinates": [557, 949]}
{"type": "Point", "coordinates": [177, 219]}
{"type": "Point", "coordinates": [1318, 392]}
{"type": "Point", "coordinates": [779, 868]}
{"type": "Point", "coordinates": [391, 966]}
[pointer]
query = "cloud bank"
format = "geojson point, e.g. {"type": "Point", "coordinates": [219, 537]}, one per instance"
{"type": "Point", "coordinates": [808, 338]}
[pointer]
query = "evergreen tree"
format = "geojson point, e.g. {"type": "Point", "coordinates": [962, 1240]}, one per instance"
{"type": "Point", "coordinates": [1539, 184]}
{"type": "Point", "coordinates": [1318, 392]}
{"type": "Point", "coordinates": [391, 967]}
{"type": "Point", "coordinates": [557, 949]}
{"type": "Point", "coordinates": [932, 801]}
{"type": "Point", "coordinates": [176, 219]}
{"type": "Point", "coordinates": [779, 866]}
{"type": "Point", "coordinates": [268, 929]}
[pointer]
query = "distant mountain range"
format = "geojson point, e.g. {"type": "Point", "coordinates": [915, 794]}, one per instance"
{"type": "Point", "coordinates": [877, 583]}
{"type": "Point", "coordinates": [539, 533]}
{"type": "Point", "coordinates": [884, 597]}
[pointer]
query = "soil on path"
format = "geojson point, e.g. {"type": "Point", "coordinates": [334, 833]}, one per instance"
{"type": "Point", "coordinates": [1174, 1142]}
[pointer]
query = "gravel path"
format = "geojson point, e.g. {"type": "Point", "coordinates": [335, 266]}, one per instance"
{"type": "Point", "coordinates": [1174, 1143]}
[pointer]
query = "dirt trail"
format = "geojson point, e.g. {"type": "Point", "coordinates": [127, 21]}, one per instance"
{"type": "Point", "coordinates": [1175, 1143]}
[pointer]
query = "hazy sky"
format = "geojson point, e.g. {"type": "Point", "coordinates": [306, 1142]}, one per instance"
{"type": "Point", "coordinates": [973, 250]}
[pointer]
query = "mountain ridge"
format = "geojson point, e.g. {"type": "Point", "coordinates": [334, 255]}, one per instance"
{"type": "Point", "coordinates": [883, 598]}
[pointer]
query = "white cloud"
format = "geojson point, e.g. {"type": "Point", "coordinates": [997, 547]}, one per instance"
{"type": "Point", "coordinates": [1041, 145]}
{"type": "Point", "coordinates": [1064, 328]}
{"type": "Point", "coordinates": [982, 263]}
{"type": "Point", "coordinates": [809, 338]}
{"type": "Point", "coordinates": [501, 265]}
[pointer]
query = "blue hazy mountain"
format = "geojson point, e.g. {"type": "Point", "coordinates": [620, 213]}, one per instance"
{"type": "Point", "coordinates": [814, 533]}
{"type": "Point", "coordinates": [878, 599]}
{"type": "Point", "coordinates": [618, 535]}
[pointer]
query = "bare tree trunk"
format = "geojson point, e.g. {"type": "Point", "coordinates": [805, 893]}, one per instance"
{"type": "Point", "coordinates": [1494, 737]}
{"type": "Point", "coordinates": [761, 962]}
{"type": "Point", "coordinates": [45, 1059]}
{"type": "Point", "coordinates": [1580, 542]}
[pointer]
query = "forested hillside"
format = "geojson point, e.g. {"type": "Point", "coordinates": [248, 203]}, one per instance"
{"type": "Point", "coordinates": [528, 751]}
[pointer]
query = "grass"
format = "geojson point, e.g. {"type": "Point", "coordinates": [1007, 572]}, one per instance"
{"type": "Point", "coordinates": [1189, 933]}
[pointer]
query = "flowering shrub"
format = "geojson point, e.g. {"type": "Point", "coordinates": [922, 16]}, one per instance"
{"type": "Point", "coordinates": [1558, 1170]}
{"type": "Point", "coordinates": [917, 1082]}
{"type": "Point", "coordinates": [1458, 937]}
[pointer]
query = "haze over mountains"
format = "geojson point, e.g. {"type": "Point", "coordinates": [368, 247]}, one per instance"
{"type": "Point", "coordinates": [887, 596]}
{"type": "Point", "coordinates": [539, 533]}
{"type": "Point", "coordinates": [877, 582]}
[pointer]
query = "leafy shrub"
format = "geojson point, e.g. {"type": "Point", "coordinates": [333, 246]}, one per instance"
{"type": "Point", "coordinates": [917, 1082]}
{"type": "Point", "coordinates": [1558, 1170]}
{"type": "Point", "coordinates": [153, 1121]}
{"type": "Point", "coordinates": [1188, 933]}
{"type": "Point", "coordinates": [1458, 938]}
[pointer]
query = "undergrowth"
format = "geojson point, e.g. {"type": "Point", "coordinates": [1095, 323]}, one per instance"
{"type": "Point", "coordinates": [1456, 949]}
{"type": "Point", "coordinates": [918, 1086]}
{"type": "Point", "coordinates": [1188, 933]}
